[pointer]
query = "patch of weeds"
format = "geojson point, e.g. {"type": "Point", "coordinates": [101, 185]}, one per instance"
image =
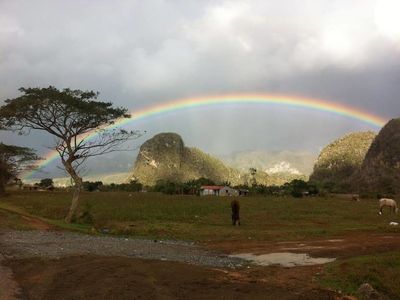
{"type": "Point", "coordinates": [381, 271]}
{"type": "Point", "coordinates": [85, 216]}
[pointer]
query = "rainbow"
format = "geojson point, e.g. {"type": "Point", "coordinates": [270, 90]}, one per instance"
{"type": "Point", "coordinates": [243, 99]}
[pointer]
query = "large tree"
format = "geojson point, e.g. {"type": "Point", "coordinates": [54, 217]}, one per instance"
{"type": "Point", "coordinates": [13, 160]}
{"type": "Point", "coordinates": [79, 123]}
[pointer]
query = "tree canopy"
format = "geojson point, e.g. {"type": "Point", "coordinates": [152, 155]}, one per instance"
{"type": "Point", "coordinates": [46, 182]}
{"type": "Point", "coordinates": [68, 115]}
{"type": "Point", "coordinates": [14, 159]}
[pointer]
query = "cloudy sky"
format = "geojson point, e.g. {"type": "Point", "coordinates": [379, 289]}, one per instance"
{"type": "Point", "coordinates": [138, 53]}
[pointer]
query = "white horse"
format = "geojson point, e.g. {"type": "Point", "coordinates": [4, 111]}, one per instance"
{"type": "Point", "coordinates": [388, 202]}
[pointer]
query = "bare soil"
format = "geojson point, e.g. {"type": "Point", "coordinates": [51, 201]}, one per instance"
{"type": "Point", "coordinates": [338, 247]}
{"type": "Point", "coordinates": [116, 277]}
{"type": "Point", "coordinates": [90, 277]}
{"type": "Point", "coordinates": [37, 223]}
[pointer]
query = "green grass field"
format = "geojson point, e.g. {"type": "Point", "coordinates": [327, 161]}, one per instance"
{"type": "Point", "coordinates": [208, 218]}
{"type": "Point", "coordinates": [152, 215]}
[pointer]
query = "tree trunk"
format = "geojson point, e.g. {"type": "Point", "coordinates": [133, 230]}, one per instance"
{"type": "Point", "coordinates": [2, 184]}
{"type": "Point", "coordinates": [77, 189]}
{"type": "Point", "coordinates": [2, 179]}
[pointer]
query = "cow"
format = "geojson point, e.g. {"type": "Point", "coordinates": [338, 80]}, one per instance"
{"type": "Point", "coordinates": [388, 202]}
{"type": "Point", "coordinates": [235, 206]}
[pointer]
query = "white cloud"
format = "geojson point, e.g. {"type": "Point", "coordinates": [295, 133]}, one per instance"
{"type": "Point", "coordinates": [387, 19]}
{"type": "Point", "coordinates": [134, 52]}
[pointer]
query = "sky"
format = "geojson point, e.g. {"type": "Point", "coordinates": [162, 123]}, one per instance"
{"type": "Point", "coordinates": [140, 53]}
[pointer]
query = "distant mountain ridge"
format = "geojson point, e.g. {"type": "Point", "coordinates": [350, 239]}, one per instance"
{"type": "Point", "coordinates": [165, 157]}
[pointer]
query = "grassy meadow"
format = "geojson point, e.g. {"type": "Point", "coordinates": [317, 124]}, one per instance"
{"type": "Point", "coordinates": [153, 215]}
{"type": "Point", "coordinates": [196, 218]}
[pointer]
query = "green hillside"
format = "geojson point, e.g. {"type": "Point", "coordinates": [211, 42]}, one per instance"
{"type": "Point", "coordinates": [340, 160]}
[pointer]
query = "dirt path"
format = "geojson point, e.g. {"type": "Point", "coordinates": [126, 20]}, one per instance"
{"type": "Point", "coordinates": [27, 219]}
{"type": "Point", "coordinates": [37, 223]}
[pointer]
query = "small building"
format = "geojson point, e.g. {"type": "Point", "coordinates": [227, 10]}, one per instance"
{"type": "Point", "coordinates": [30, 187]}
{"type": "Point", "coordinates": [218, 190]}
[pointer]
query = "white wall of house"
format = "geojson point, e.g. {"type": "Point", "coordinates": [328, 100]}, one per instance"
{"type": "Point", "coordinates": [228, 191]}
{"type": "Point", "coordinates": [224, 191]}
{"type": "Point", "coordinates": [208, 192]}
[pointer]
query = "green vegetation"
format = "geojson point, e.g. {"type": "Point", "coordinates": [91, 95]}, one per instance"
{"type": "Point", "coordinates": [340, 160]}
{"type": "Point", "coordinates": [92, 186]}
{"type": "Point", "coordinates": [208, 218]}
{"type": "Point", "coordinates": [14, 159]}
{"type": "Point", "coordinates": [46, 182]}
{"type": "Point", "coordinates": [381, 270]}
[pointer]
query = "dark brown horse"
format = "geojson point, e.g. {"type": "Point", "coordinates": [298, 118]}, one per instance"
{"type": "Point", "coordinates": [235, 212]}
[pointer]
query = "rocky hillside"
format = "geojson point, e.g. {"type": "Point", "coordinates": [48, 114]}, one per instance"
{"type": "Point", "coordinates": [165, 157]}
{"type": "Point", "coordinates": [380, 170]}
{"type": "Point", "coordinates": [340, 160]}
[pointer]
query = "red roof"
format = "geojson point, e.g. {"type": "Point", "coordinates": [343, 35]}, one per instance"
{"type": "Point", "coordinates": [212, 187]}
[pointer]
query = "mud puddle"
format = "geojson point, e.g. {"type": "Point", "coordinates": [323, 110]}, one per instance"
{"type": "Point", "coordinates": [285, 259]}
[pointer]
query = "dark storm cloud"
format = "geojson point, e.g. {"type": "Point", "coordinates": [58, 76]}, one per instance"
{"type": "Point", "coordinates": [141, 52]}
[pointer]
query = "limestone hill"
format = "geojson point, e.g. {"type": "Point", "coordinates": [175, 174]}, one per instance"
{"type": "Point", "coordinates": [340, 160]}
{"type": "Point", "coordinates": [380, 170]}
{"type": "Point", "coordinates": [165, 157]}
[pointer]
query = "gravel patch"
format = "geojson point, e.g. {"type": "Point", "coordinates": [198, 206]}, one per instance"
{"type": "Point", "coordinates": [57, 244]}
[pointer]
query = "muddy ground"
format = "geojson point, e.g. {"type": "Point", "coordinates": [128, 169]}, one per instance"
{"type": "Point", "coordinates": [339, 247]}
{"type": "Point", "coordinates": [90, 277]}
